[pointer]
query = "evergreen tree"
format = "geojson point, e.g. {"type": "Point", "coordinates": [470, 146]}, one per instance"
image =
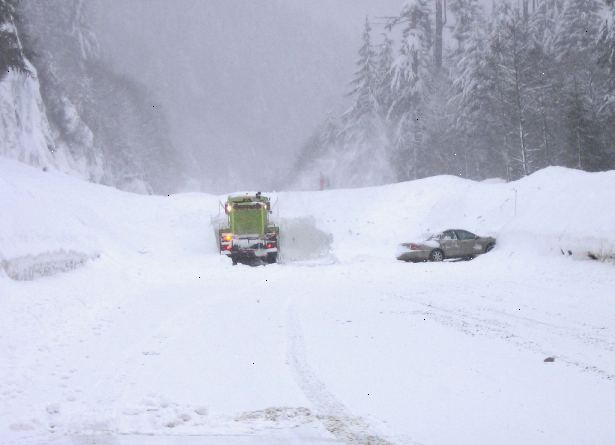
{"type": "Point", "coordinates": [384, 72]}
{"type": "Point", "coordinates": [11, 50]}
{"type": "Point", "coordinates": [413, 67]}
{"type": "Point", "coordinates": [606, 55]}
{"type": "Point", "coordinates": [508, 69]}
{"type": "Point", "coordinates": [606, 59]}
{"type": "Point", "coordinates": [412, 72]}
{"type": "Point", "coordinates": [364, 135]}
{"type": "Point", "coordinates": [475, 114]}
{"type": "Point", "coordinates": [470, 93]}
{"type": "Point", "coordinates": [468, 17]}
{"type": "Point", "coordinates": [545, 80]}
{"type": "Point", "coordinates": [362, 116]}
{"type": "Point", "coordinates": [574, 46]}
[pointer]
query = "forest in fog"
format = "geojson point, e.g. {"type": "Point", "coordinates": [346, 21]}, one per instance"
{"type": "Point", "coordinates": [476, 92]}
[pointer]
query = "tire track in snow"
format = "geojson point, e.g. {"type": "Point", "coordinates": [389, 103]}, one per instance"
{"type": "Point", "coordinates": [334, 416]}
{"type": "Point", "coordinates": [472, 324]}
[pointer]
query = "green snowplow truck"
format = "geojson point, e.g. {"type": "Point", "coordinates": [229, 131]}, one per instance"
{"type": "Point", "coordinates": [249, 234]}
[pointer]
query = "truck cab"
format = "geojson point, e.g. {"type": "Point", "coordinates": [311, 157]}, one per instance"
{"type": "Point", "coordinates": [249, 233]}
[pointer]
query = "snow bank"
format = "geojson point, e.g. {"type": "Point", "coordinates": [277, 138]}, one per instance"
{"type": "Point", "coordinates": [44, 213]}
{"type": "Point", "coordinates": [30, 267]}
{"type": "Point", "coordinates": [551, 212]}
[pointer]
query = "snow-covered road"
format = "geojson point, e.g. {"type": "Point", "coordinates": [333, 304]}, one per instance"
{"type": "Point", "coordinates": [312, 354]}
{"type": "Point", "coordinates": [158, 340]}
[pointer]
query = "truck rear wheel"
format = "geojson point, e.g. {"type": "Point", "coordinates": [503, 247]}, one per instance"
{"type": "Point", "coordinates": [272, 257]}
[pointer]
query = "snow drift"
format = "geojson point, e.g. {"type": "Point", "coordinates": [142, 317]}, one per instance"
{"type": "Point", "coordinates": [30, 267]}
{"type": "Point", "coordinates": [553, 211]}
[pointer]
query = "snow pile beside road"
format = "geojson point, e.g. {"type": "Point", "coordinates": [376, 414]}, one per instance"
{"type": "Point", "coordinates": [30, 267]}
{"type": "Point", "coordinates": [551, 211]}
{"type": "Point", "coordinates": [46, 212]}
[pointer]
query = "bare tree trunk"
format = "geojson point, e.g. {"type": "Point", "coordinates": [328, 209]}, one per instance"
{"type": "Point", "coordinates": [545, 131]}
{"type": "Point", "coordinates": [519, 106]}
{"type": "Point", "coordinates": [439, 31]}
{"type": "Point", "coordinates": [418, 142]}
{"type": "Point", "coordinates": [577, 133]}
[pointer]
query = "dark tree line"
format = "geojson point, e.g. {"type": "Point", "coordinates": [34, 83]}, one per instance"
{"type": "Point", "coordinates": [518, 89]}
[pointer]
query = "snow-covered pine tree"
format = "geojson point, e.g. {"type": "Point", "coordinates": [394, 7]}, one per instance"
{"type": "Point", "coordinates": [468, 16]}
{"type": "Point", "coordinates": [364, 132]}
{"type": "Point", "coordinates": [576, 31]}
{"type": "Point", "coordinates": [352, 150]}
{"type": "Point", "coordinates": [545, 80]}
{"type": "Point", "coordinates": [384, 72]}
{"type": "Point", "coordinates": [606, 59]}
{"type": "Point", "coordinates": [508, 69]}
{"type": "Point", "coordinates": [574, 46]}
{"type": "Point", "coordinates": [543, 22]}
{"type": "Point", "coordinates": [477, 108]}
{"type": "Point", "coordinates": [412, 72]}
{"type": "Point", "coordinates": [606, 54]}
{"type": "Point", "coordinates": [362, 116]}
{"type": "Point", "coordinates": [412, 69]}
{"type": "Point", "coordinates": [11, 50]}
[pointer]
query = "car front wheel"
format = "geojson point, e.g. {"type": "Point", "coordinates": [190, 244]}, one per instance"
{"type": "Point", "coordinates": [436, 255]}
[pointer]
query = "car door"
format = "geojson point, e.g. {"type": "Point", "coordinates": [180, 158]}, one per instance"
{"type": "Point", "coordinates": [449, 243]}
{"type": "Point", "coordinates": [468, 243]}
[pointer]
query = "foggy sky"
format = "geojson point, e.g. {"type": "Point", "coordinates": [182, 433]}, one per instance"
{"type": "Point", "coordinates": [243, 83]}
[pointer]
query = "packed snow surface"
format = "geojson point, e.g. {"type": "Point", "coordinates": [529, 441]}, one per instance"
{"type": "Point", "coordinates": [156, 339]}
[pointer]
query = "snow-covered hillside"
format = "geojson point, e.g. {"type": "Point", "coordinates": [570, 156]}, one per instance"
{"type": "Point", "coordinates": [122, 324]}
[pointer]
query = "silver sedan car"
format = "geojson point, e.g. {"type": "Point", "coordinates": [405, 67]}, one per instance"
{"type": "Point", "coordinates": [453, 243]}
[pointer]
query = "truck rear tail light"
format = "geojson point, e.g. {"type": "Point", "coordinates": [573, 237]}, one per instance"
{"type": "Point", "coordinates": [269, 245]}
{"type": "Point", "coordinates": [227, 237]}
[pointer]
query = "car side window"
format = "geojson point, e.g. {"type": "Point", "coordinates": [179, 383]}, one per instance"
{"type": "Point", "coordinates": [449, 235]}
{"type": "Point", "coordinates": [465, 235]}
